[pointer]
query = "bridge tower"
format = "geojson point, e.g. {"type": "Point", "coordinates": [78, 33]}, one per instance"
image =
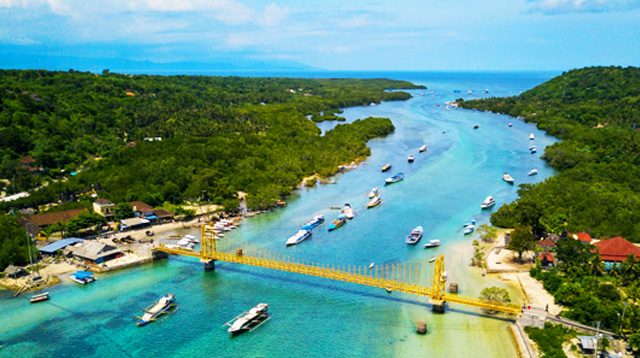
{"type": "Point", "coordinates": [438, 286]}
{"type": "Point", "coordinates": [208, 247]}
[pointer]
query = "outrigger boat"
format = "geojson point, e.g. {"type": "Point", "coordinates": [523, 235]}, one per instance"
{"type": "Point", "coordinates": [163, 306]}
{"type": "Point", "coordinates": [374, 192]}
{"type": "Point", "coordinates": [39, 297]}
{"type": "Point", "coordinates": [423, 148]}
{"type": "Point", "coordinates": [533, 171]}
{"type": "Point", "coordinates": [394, 179]}
{"type": "Point", "coordinates": [338, 222]}
{"type": "Point", "coordinates": [432, 243]}
{"type": "Point", "coordinates": [488, 202]}
{"type": "Point", "coordinates": [311, 224]}
{"type": "Point", "coordinates": [299, 237]}
{"type": "Point", "coordinates": [386, 167]}
{"type": "Point", "coordinates": [508, 178]}
{"type": "Point", "coordinates": [374, 202]}
{"type": "Point", "coordinates": [348, 211]}
{"type": "Point", "coordinates": [414, 236]}
{"type": "Point", "coordinates": [82, 277]}
{"type": "Point", "coordinates": [250, 320]}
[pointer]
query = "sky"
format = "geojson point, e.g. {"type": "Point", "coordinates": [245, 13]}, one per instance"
{"type": "Point", "coordinates": [332, 34]}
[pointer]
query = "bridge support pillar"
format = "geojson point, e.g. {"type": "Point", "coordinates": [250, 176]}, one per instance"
{"type": "Point", "coordinates": [209, 265]}
{"type": "Point", "coordinates": [437, 306]}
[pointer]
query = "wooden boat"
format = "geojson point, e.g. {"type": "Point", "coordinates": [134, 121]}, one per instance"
{"type": "Point", "coordinates": [385, 167]}
{"type": "Point", "coordinates": [39, 297]}
{"type": "Point", "coordinates": [338, 222]}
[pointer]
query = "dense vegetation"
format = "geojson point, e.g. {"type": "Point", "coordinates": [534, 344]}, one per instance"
{"type": "Point", "coordinates": [550, 339]}
{"type": "Point", "coordinates": [13, 242]}
{"type": "Point", "coordinates": [596, 111]}
{"type": "Point", "coordinates": [220, 135]}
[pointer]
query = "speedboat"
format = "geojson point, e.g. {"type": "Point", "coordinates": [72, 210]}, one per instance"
{"type": "Point", "coordinates": [248, 321]}
{"type": "Point", "coordinates": [311, 224]}
{"type": "Point", "coordinates": [39, 297]}
{"type": "Point", "coordinates": [414, 236]}
{"type": "Point", "coordinates": [375, 201]}
{"type": "Point", "coordinates": [423, 148]}
{"type": "Point", "coordinates": [533, 149]}
{"type": "Point", "coordinates": [432, 243]}
{"type": "Point", "coordinates": [337, 222]}
{"type": "Point", "coordinates": [469, 229]}
{"type": "Point", "coordinates": [411, 158]}
{"type": "Point", "coordinates": [386, 167]}
{"type": "Point", "coordinates": [488, 202]}
{"type": "Point", "coordinates": [374, 192]}
{"type": "Point", "coordinates": [348, 211]}
{"type": "Point", "coordinates": [532, 136]}
{"type": "Point", "coordinates": [82, 277]}
{"type": "Point", "coordinates": [394, 179]}
{"type": "Point", "coordinates": [371, 265]}
{"type": "Point", "coordinates": [533, 171]}
{"type": "Point", "coordinates": [165, 304]}
{"type": "Point", "coordinates": [299, 237]}
{"type": "Point", "coordinates": [508, 178]}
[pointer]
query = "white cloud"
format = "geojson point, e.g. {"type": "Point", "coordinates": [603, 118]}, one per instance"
{"type": "Point", "coordinates": [274, 14]}
{"type": "Point", "coordinates": [555, 7]}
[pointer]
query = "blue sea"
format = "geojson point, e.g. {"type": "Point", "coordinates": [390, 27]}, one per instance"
{"type": "Point", "coordinates": [314, 317]}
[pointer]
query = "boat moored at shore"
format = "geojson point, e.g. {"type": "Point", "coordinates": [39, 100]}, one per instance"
{"type": "Point", "coordinates": [469, 229]}
{"type": "Point", "coordinates": [431, 244]}
{"type": "Point", "coordinates": [82, 277]}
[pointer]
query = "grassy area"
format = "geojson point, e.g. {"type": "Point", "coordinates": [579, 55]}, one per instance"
{"type": "Point", "coordinates": [550, 339]}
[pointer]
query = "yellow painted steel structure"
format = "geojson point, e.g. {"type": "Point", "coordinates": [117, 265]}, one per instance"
{"type": "Point", "coordinates": [400, 277]}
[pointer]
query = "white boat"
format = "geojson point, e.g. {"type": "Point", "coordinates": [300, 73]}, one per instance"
{"type": "Point", "coordinates": [371, 265]}
{"type": "Point", "coordinates": [414, 236]}
{"type": "Point", "coordinates": [39, 297]}
{"type": "Point", "coordinates": [508, 178]}
{"type": "Point", "coordinates": [533, 171]}
{"type": "Point", "coordinates": [469, 229]}
{"type": "Point", "coordinates": [374, 202]}
{"type": "Point", "coordinates": [82, 277]}
{"type": "Point", "coordinates": [299, 237]}
{"type": "Point", "coordinates": [533, 149]}
{"type": "Point", "coordinates": [432, 243]}
{"type": "Point", "coordinates": [313, 223]}
{"type": "Point", "coordinates": [423, 148]}
{"type": "Point", "coordinates": [348, 211]}
{"type": "Point", "coordinates": [510, 124]}
{"type": "Point", "coordinates": [532, 136]}
{"type": "Point", "coordinates": [374, 191]}
{"type": "Point", "coordinates": [488, 202]}
{"type": "Point", "coordinates": [248, 321]}
{"type": "Point", "coordinates": [164, 305]}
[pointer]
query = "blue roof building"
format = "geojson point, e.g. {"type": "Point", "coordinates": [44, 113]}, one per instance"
{"type": "Point", "coordinates": [59, 245]}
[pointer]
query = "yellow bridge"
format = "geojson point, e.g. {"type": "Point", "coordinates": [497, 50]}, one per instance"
{"type": "Point", "coordinates": [405, 277]}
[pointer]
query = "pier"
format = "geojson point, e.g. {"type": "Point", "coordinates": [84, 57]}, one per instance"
{"type": "Point", "coordinates": [411, 277]}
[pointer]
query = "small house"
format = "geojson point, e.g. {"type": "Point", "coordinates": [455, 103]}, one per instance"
{"type": "Point", "coordinates": [133, 223]}
{"type": "Point", "coordinates": [14, 272]}
{"type": "Point", "coordinates": [141, 209]}
{"type": "Point", "coordinates": [547, 259]}
{"type": "Point", "coordinates": [104, 207]}
{"type": "Point", "coordinates": [547, 245]}
{"type": "Point", "coordinates": [95, 252]}
{"type": "Point", "coordinates": [616, 250]}
{"type": "Point", "coordinates": [587, 344]}
{"type": "Point", "coordinates": [163, 215]}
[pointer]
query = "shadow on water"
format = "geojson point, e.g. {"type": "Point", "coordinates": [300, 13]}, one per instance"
{"type": "Point", "coordinates": [386, 296]}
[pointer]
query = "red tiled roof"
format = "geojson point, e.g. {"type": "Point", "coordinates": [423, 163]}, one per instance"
{"type": "Point", "coordinates": [54, 217]}
{"type": "Point", "coordinates": [616, 249]}
{"type": "Point", "coordinates": [548, 256]}
{"type": "Point", "coordinates": [584, 237]}
{"type": "Point", "coordinates": [141, 206]}
{"type": "Point", "coordinates": [162, 214]}
{"type": "Point", "coordinates": [547, 243]}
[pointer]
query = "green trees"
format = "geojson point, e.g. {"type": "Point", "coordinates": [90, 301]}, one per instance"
{"type": "Point", "coordinates": [494, 294]}
{"type": "Point", "coordinates": [522, 239]}
{"type": "Point", "coordinates": [122, 211]}
{"type": "Point", "coordinates": [13, 243]}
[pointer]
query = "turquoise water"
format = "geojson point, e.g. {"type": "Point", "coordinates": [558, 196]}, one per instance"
{"type": "Point", "coordinates": [314, 317]}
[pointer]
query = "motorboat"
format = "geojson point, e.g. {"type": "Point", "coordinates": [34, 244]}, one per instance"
{"type": "Point", "coordinates": [510, 124]}
{"type": "Point", "coordinates": [533, 149]}
{"type": "Point", "coordinates": [299, 237]}
{"type": "Point", "coordinates": [476, 126]}
{"type": "Point", "coordinates": [164, 305]}
{"type": "Point", "coordinates": [472, 222]}
{"type": "Point", "coordinates": [423, 148]}
{"type": "Point", "coordinates": [82, 277]}
{"type": "Point", "coordinates": [533, 171]}
{"type": "Point", "coordinates": [371, 265]}
{"type": "Point", "coordinates": [414, 236]}
{"type": "Point", "coordinates": [313, 223]}
{"type": "Point", "coordinates": [375, 201]}
{"type": "Point", "coordinates": [432, 243]}
{"type": "Point", "coordinates": [469, 229]}
{"type": "Point", "coordinates": [250, 320]}
{"type": "Point", "coordinates": [337, 222]}
{"type": "Point", "coordinates": [374, 192]}
{"type": "Point", "coordinates": [488, 202]}
{"type": "Point", "coordinates": [386, 167]}
{"type": "Point", "coordinates": [348, 211]}
{"type": "Point", "coordinates": [532, 136]}
{"type": "Point", "coordinates": [39, 297]}
{"type": "Point", "coordinates": [508, 178]}
{"type": "Point", "coordinates": [394, 179]}
{"type": "Point", "coordinates": [411, 158]}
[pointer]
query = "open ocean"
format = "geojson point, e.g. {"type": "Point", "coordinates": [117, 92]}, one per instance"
{"type": "Point", "coordinates": [314, 317]}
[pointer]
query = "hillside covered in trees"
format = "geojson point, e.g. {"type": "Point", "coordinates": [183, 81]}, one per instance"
{"type": "Point", "coordinates": [596, 113]}
{"type": "Point", "coordinates": [158, 138]}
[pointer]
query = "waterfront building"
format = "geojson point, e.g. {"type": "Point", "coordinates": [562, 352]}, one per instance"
{"type": "Point", "coordinates": [104, 207]}
{"type": "Point", "coordinates": [61, 244]}
{"type": "Point", "coordinates": [95, 252]}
